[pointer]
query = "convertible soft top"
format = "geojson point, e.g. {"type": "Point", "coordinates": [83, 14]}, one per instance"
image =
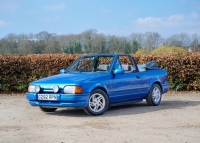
{"type": "Point", "coordinates": [151, 65]}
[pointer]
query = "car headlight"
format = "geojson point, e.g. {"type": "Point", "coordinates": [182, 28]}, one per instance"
{"type": "Point", "coordinates": [34, 88]}
{"type": "Point", "coordinates": [72, 89]}
{"type": "Point", "coordinates": [37, 88]}
{"type": "Point", "coordinates": [55, 88]}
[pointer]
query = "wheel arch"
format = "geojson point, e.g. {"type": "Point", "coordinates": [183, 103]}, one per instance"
{"type": "Point", "coordinates": [98, 86]}
{"type": "Point", "coordinates": [159, 85]}
{"type": "Point", "coordinates": [103, 89]}
{"type": "Point", "coordinates": [156, 81]}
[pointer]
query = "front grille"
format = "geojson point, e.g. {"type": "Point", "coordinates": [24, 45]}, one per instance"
{"type": "Point", "coordinates": [46, 91]}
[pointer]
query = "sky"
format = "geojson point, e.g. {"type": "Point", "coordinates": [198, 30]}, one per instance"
{"type": "Point", "coordinates": [110, 17]}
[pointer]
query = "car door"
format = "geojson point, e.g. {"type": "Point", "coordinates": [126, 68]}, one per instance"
{"type": "Point", "coordinates": [130, 85]}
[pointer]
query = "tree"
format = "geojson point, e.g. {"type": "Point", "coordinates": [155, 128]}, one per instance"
{"type": "Point", "coordinates": [135, 46]}
{"type": "Point", "coordinates": [88, 37]}
{"type": "Point", "coordinates": [139, 37]}
{"type": "Point", "coordinates": [178, 40]}
{"type": "Point", "coordinates": [151, 41]}
{"type": "Point", "coordinates": [195, 44]}
{"type": "Point", "coordinates": [103, 47]}
{"type": "Point", "coordinates": [116, 44]}
{"type": "Point", "coordinates": [77, 48]}
{"type": "Point", "coordinates": [92, 42]}
{"type": "Point", "coordinates": [127, 48]}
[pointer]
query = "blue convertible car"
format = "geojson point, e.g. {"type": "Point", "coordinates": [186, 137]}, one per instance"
{"type": "Point", "coordinates": [95, 82]}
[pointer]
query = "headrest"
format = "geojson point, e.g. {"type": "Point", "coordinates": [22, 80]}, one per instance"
{"type": "Point", "coordinates": [126, 67]}
{"type": "Point", "coordinates": [103, 67]}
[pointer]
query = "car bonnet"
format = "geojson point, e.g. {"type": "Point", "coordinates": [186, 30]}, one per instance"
{"type": "Point", "coordinates": [65, 79]}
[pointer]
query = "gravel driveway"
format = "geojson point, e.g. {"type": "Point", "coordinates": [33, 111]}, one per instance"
{"type": "Point", "coordinates": [175, 120]}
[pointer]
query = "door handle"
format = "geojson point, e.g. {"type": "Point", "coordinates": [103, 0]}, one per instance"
{"type": "Point", "coordinates": [138, 77]}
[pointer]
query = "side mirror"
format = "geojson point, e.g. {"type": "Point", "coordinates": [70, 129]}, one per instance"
{"type": "Point", "coordinates": [118, 71]}
{"type": "Point", "coordinates": [62, 71]}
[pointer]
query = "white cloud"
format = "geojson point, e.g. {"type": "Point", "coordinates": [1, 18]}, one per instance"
{"type": "Point", "coordinates": [3, 23]}
{"type": "Point", "coordinates": [170, 21]}
{"type": "Point", "coordinates": [174, 23]}
{"type": "Point", "coordinates": [55, 7]}
{"type": "Point", "coordinates": [176, 17]}
{"type": "Point", "coordinates": [51, 19]}
{"type": "Point", "coordinates": [150, 21]}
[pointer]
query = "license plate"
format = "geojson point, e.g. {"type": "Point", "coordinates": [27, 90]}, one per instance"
{"type": "Point", "coordinates": [47, 97]}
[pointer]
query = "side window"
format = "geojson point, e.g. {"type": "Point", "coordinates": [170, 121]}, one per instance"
{"type": "Point", "coordinates": [85, 65]}
{"type": "Point", "coordinates": [126, 64]}
{"type": "Point", "coordinates": [104, 63]}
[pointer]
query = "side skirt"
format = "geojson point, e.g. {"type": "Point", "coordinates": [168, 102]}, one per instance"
{"type": "Point", "coordinates": [124, 103]}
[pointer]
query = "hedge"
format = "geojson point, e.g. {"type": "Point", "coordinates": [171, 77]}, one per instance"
{"type": "Point", "coordinates": [183, 69]}
{"type": "Point", "coordinates": [17, 71]}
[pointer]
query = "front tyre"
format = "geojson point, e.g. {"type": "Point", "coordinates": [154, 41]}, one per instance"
{"type": "Point", "coordinates": [98, 103]}
{"type": "Point", "coordinates": [154, 96]}
{"type": "Point", "coordinates": [47, 109]}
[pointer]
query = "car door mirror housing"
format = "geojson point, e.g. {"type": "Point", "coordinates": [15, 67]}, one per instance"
{"type": "Point", "coordinates": [118, 71]}
{"type": "Point", "coordinates": [62, 71]}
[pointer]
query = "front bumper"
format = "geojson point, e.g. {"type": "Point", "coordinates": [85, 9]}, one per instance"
{"type": "Point", "coordinates": [63, 100]}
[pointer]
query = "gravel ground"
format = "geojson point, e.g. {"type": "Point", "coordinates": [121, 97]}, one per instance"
{"type": "Point", "coordinates": [175, 120]}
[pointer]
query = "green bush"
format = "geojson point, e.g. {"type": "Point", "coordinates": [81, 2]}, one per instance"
{"type": "Point", "coordinates": [165, 49]}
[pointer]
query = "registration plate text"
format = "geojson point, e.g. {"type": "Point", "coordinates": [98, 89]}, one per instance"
{"type": "Point", "coordinates": [47, 97]}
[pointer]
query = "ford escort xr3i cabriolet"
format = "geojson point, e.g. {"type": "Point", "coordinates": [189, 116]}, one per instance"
{"type": "Point", "coordinates": [97, 81]}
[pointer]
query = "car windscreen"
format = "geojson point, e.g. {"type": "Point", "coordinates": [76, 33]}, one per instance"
{"type": "Point", "coordinates": [92, 64]}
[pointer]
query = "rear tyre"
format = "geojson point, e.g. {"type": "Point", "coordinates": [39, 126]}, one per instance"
{"type": "Point", "coordinates": [154, 96]}
{"type": "Point", "coordinates": [98, 103]}
{"type": "Point", "coordinates": [47, 109]}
